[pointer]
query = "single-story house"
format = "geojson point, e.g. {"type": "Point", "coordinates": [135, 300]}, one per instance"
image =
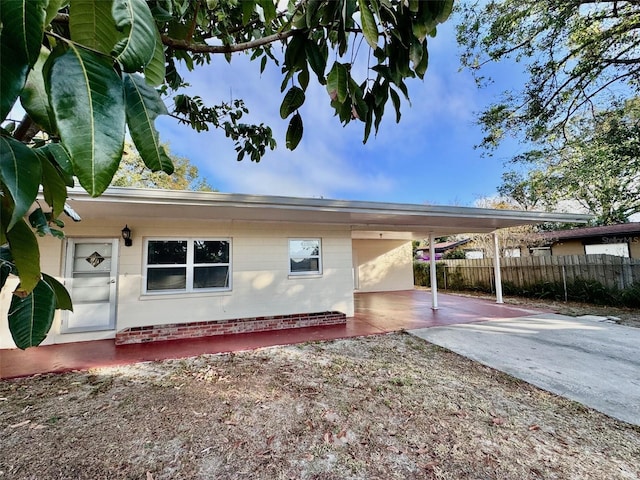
{"type": "Point", "coordinates": [422, 253]}
{"type": "Point", "coordinates": [195, 263]}
{"type": "Point", "coordinates": [622, 240]}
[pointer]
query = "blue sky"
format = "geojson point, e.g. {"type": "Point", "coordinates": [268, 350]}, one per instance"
{"type": "Point", "coordinates": [429, 157]}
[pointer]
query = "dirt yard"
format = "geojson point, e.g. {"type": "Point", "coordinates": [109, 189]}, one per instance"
{"type": "Point", "coordinates": [383, 407]}
{"type": "Point", "coordinates": [621, 315]}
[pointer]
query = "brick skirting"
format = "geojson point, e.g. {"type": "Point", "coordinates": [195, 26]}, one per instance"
{"type": "Point", "coordinates": [175, 331]}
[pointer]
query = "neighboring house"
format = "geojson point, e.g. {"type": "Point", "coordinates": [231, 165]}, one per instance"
{"type": "Point", "coordinates": [440, 248]}
{"type": "Point", "coordinates": [203, 263]}
{"type": "Point", "coordinates": [622, 240]}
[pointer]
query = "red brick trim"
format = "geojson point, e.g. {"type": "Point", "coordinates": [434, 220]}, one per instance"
{"type": "Point", "coordinates": [175, 331]}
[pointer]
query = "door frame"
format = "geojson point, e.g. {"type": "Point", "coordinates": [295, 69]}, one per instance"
{"type": "Point", "coordinates": [113, 280]}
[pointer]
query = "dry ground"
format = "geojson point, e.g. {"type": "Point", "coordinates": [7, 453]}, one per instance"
{"type": "Point", "coordinates": [621, 315]}
{"type": "Point", "coordinates": [382, 407]}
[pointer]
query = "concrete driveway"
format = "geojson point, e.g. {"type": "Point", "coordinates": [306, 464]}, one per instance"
{"type": "Point", "coordinates": [587, 360]}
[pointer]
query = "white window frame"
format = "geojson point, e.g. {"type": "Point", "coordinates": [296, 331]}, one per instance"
{"type": "Point", "coordinates": [615, 249]}
{"type": "Point", "coordinates": [319, 257]}
{"type": "Point", "coordinates": [547, 252]}
{"type": "Point", "coordinates": [190, 266]}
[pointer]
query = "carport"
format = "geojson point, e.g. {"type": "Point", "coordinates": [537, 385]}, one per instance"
{"type": "Point", "coordinates": [382, 221]}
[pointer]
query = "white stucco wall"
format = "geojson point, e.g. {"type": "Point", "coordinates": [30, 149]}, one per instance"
{"type": "Point", "coordinates": [383, 265]}
{"type": "Point", "coordinates": [261, 285]}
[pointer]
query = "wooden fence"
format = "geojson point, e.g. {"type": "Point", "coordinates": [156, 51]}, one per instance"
{"type": "Point", "coordinates": [611, 271]}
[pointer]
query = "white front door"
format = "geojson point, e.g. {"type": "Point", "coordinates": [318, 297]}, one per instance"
{"type": "Point", "coordinates": [90, 278]}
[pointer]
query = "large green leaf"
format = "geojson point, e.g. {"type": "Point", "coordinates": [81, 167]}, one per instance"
{"type": "Point", "coordinates": [248, 7]}
{"type": "Point", "coordinates": [60, 159]}
{"type": "Point", "coordinates": [26, 255]}
{"type": "Point", "coordinates": [135, 20]}
{"type": "Point", "coordinates": [395, 98]}
{"type": "Point", "coordinates": [143, 106]}
{"type": "Point", "coordinates": [30, 317]}
{"type": "Point", "coordinates": [54, 188]}
{"type": "Point", "coordinates": [337, 82]}
{"type": "Point", "coordinates": [317, 59]}
{"type": "Point", "coordinates": [421, 68]}
{"type": "Point", "coordinates": [34, 97]}
{"type": "Point", "coordinates": [52, 9]}
{"type": "Point", "coordinates": [445, 12]}
{"type": "Point", "coordinates": [91, 24]}
{"type": "Point", "coordinates": [87, 97]}
{"type": "Point", "coordinates": [369, 28]}
{"type": "Point", "coordinates": [22, 26]}
{"type": "Point", "coordinates": [291, 102]}
{"type": "Point", "coordinates": [155, 70]}
{"type": "Point", "coordinates": [294, 132]}
{"type": "Point", "coordinates": [269, 9]}
{"type": "Point", "coordinates": [63, 299]}
{"type": "Point", "coordinates": [20, 173]}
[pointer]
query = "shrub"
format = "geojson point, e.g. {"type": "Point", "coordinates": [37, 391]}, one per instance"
{"type": "Point", "coordinates": [421, 273]}
{"type": "Point", "coordinates": [455, 254]}
{"type": "Point", "coordinates": [630, 297]}
{"type": "Point", "coordinates": [586, 291]}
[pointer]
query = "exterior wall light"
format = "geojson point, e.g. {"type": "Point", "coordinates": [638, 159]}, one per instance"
{"type": "Point", "coordinates": [126, 234]}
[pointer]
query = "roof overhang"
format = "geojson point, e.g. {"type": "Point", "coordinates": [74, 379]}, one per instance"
{"type": "Point", "coordinates": [365, 219]}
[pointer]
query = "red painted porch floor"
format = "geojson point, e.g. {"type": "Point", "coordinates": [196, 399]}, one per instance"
{"type": "Point", "coordinates": [375, 313]}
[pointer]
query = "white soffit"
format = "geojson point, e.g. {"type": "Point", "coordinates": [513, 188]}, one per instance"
{"type": "Point", "coordinates": [365, 219]}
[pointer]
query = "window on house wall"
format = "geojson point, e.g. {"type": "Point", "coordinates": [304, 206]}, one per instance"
{"type": "Point", "coordinates": [541, 251]}
{"type": "Point", "coordinates": [473, 254]}
{"type": "Point", "coordinates": [305, 256]}
{"type": "Point", "coordinates": [512, 252]}
{"type": "Point", "coordinates": [617, 249]}
{"type": "Point", "coordinates": [192, 265]}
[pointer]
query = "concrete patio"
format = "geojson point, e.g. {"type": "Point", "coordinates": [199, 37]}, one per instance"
{"type": "Point", "coordinates": [375, 313]}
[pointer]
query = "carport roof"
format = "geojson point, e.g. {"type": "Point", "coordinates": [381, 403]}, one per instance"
{"type": "Point", "coordinates": [365, 219]}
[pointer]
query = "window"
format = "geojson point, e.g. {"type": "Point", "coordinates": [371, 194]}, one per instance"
{"type": "Point", "coordinates": [187, 265]}
{"type": "Point", "coordinates": [617, 249]}
{"type": "Point", "coordinates": [541, 251]}
{"type": "Point", "coordinates": [512, 252]}
{"type": "Point", "coordinates": [305, 257]}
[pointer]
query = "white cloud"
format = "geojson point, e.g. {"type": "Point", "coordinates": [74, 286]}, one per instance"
{"type": "Point", "coordinates": [331, 160]}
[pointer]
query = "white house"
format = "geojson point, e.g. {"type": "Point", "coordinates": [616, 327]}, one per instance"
{"type": "Point", "coordinates": [211, 263]}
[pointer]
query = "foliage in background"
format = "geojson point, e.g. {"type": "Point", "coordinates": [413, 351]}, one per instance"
{"type": "Point", "coordinates": [597, 166]}
{"type": "Point", "coordinates": [132, 172]}
{"type": "Point", "coordinates": [85, 71]}
{"type": "Point", "coordinates": [576, 106]}
{"type": "Point", "coordinates": [455, 254]}
{"type": "Point", "coordinates": [579, 58]}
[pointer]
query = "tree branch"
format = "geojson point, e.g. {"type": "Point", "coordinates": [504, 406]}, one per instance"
{"type": "Point", "coordinates": [621, 61]}
{"type": "Point", "coordinates": [238, 47]}
{"type": "Point", "coordinates": [26, 130]}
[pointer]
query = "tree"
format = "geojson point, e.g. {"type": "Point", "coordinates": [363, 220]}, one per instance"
{"type": "Point", "coordinates": [598, 166]}
{"type": "Point", "coordinates": [84, 71]}
{"type": "Point", "coordinates": [580, 56]}
{"type": "Point", "coordinates": [132, 172]}
{"type": "Point", "coordinates": [509, 238]}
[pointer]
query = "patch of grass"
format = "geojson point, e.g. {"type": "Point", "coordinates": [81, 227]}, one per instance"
{"type": "Point", "coordinates": [401, 381]}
